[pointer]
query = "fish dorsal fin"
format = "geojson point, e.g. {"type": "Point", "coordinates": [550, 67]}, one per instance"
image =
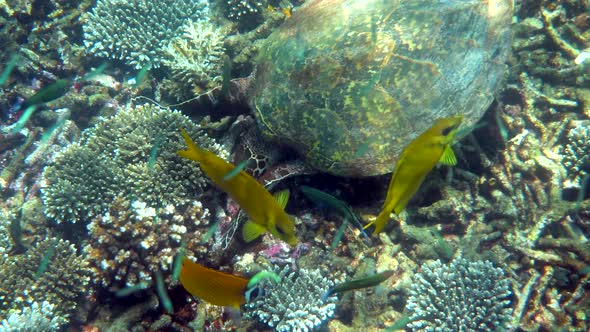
{"type": "Point", "coordinates": [251, 231]}
{"type": "Point", "coordinates": [448, 157]}
{"type": "Point", "coordinates": [282, 197]}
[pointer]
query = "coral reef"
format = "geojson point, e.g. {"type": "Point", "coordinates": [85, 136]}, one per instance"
{"type": "Point", "coordinates": [195, 59]}
{"type": "Point", "coordinates": [37, 317]}
{"type": "Point", "coordinates": [5, 221]}
{"type": "Point", "coordinates": [517, 194]}
{"type": "Point", "coordinates": [138, 32]}
{"type": "Point", "coordinates": [576, 152]}
{"type": "Point", "coordinates": [131, 242]}
{"type": "Point", "coordinates": [132, 155]}
{"type": "Point", "coordinates": [49, 271]}
{"type": "Point", "coordinates": [295, 303]}
{"type": "Point", "coordinates": [459, 296]}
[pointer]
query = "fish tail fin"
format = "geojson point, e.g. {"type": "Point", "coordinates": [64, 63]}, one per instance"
{"type": "Point", "coordinates": [192, 151]}
{"type": "Point", "coordinates": [379, 222]}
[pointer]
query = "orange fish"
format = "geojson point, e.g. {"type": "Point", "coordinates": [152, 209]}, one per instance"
{"type": "Point", "coordinates": [212, 286]}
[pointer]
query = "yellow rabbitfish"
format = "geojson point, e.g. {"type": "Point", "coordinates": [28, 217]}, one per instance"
{"type": "Point", "coordinates": [415, 162]}
{"type": "Point", "coordinates": [265, 213]}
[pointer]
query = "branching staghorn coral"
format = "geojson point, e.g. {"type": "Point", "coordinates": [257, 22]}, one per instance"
{"type": "Point", "coordinates": [37, 317]}
{"type": "Point", "coordinates": [576, 151]}
{"type": "Point", "coordinates": [195, 59]}
{"type": "Point", "coordinates": [460, 296]}
{"type": "Point", "coordinates": [295, 303]}
{"type": "Point", "coordinates": [132, 155]}
{"type": "Point", "coordinates": [137, 32]}
{"type": "Point", "coordinates": [131, 242]}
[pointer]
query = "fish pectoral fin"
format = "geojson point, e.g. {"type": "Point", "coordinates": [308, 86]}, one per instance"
{"type": "Point", "coordinates": [251, 231]}
{"type": "Point", "coordinates": [448, 157]}
{"type": "Point", "coordinates": [369, 224]}
{"type": "Point", "coordinates": [282, 197]}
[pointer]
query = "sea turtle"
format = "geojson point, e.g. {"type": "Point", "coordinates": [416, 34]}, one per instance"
{"type": "Point", "coordinates": [349, 83]}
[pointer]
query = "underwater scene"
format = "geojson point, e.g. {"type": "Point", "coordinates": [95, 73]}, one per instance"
{"type": "Point", "coordinates": [294, 165]}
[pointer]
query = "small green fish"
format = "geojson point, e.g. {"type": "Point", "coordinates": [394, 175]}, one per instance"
{"type": "Point", "coordinates": [131, 289]}
{"type": "Point", "coordinates": [56, 126]}
{"type": "Point", "coordinates": [502, 127]}
{"type": "Point", "coordinates": [95, 72]}
{"type": "Point", "coordinates": [154, 153]}
{"type": "Point", "coordinates": [321, 198]}
{"type": "Point", "coordinates": [339, 234]}
{"type": "Point", "coordinates": [210, 232]}
{"type": "Point", "coordinates": [178, 261]}
{"type": "Point", "coordinates": [142, 72]}
{"type": "Point", "coordinates": [49, 93]}
{"type": "Point", "coordinates": [16, 234]}
{"type": "Point", "coordinates": [442, 247]}
{"type": "Point", "coordinates": [163, 294]}
{"type": "Point", "coordinates": [45, 261]}
{"type": "Point", "coordinates": [263, 275]}
{"type": "Point", "coordinates": [24, 118]}
{"type": "Point", "coordinates": [400, 324]}
{"type": "Point", "coordinates": [236, 170]}
{"type": "Point", "coordinates": [9, 67]}
{"type": "Point", "coordinates": [369, 281]}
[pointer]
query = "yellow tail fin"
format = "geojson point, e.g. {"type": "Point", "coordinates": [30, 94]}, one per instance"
{"type": "Point", "coordinates": [380, 222]}
{"type": "Point", "coordinates": [192, 151]}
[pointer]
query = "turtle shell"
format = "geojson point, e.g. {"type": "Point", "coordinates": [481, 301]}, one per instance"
{"type": "Point", "coordinates": [349, 83]}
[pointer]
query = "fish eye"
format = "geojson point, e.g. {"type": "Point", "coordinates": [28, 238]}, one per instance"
{"type": "Point", "coordinates": [280, 231]}
{"type": "Point", "coordinates": [253, 294]}
{"type": "Point", "coordinates": [448, 130]}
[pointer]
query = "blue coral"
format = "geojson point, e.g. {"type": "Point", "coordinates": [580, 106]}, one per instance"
{"type": "Point", "coordinates": [460, 296]}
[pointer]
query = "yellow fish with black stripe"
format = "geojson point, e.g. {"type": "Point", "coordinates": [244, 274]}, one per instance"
{"type": "Point", "coordinates": [266, 212]}
{"type": "Point", "coordinates": [415, 162]}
